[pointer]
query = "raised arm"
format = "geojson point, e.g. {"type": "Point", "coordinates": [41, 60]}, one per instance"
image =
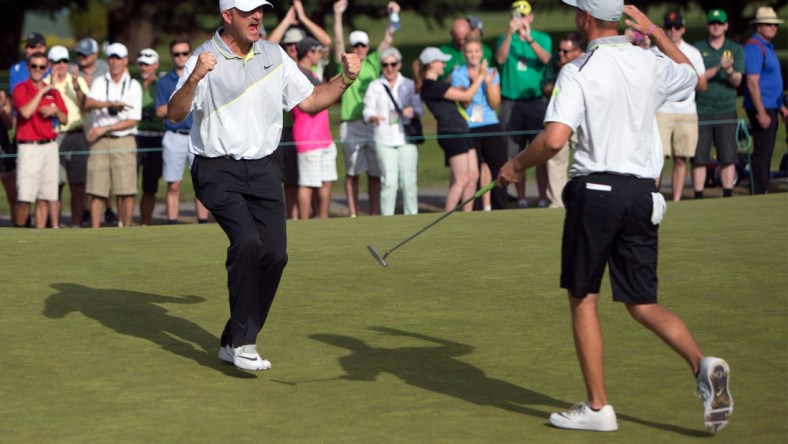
{"type": "Point", "coordinates": [287, 21]}
{"type": "Point", "coordinates": [180, 103]}
{"type": "Point", "coordinates": [326, 94]}
{"type": "Point", "coordinates": [388, 34]}
{"type": "Point", "coordinates": [502, 53]}
{"type": "Point", "coordinates": [339, 33]}
{"type": "Point", "coordinates": [317, 32]}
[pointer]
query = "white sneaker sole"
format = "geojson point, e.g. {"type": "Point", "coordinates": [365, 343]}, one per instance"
{"type": "Point", "coordinates": [719, 410]}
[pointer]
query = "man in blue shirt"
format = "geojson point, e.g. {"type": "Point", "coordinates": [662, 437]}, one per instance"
{"type": "Point", "coordinates": [176, 136]}
{"type": "Point", "coordinates": [763, 96]}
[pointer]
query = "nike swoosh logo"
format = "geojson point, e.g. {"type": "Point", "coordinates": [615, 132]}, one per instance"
{"type": "Point", "coordinates": [268, 66]}
{"type": "Point", "coordinates": [248, 359]}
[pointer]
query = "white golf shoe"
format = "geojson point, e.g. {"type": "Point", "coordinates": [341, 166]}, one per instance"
{"type": "Point", "coordinates": [582, 417]}
{"type": "Point", "coordinates": [713, 378]}
{"type": "Point", "coordinates": [244, 357]}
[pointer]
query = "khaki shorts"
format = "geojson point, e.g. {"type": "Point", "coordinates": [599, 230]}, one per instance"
{"type": "Point", "coordinates": [681, 130]}
{"type": "Point", "coordinates": [358, 148]}
{"type": "Point", "coordinates": [37, 172]}
{"type": "Point", "coordinates": [112, 163]}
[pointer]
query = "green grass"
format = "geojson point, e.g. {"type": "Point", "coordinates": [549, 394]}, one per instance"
{"type": "Point", "coordinates": [111, 335]}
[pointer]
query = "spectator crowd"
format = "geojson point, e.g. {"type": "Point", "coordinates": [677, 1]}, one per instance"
{"type": "Point", "coordinates": [85, 122]}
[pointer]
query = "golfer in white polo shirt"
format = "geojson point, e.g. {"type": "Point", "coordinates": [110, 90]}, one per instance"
{"type": "Point", "coordinates": [610, 97]}
{"type": "Point", "coordinates": [236, 85]}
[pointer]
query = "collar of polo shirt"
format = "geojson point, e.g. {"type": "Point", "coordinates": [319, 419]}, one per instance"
{"type": "Point", "coordinates": [222, 48]}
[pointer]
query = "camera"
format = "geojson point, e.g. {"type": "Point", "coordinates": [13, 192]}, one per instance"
{"type": "Point", "coordinates": [114, 110]}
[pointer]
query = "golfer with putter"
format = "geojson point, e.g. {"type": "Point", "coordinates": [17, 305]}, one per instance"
{"type": "Point", "coordinates": [236, 85]}
{"type": "Point", "coordinates": [610, 96]}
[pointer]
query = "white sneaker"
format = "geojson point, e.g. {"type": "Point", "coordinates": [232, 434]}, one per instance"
{"type": "Point", "coordinates": [582, 417]}
{"type": "Point", "coordinates": [522, 203]}
{"type": "Point", "coordinates": [244, 357]}
{"type": "Point", "coordinates": [713, 378]}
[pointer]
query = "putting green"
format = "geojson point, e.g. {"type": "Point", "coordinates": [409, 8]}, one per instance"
{"type": "Point", "coordinates": [111, 335]}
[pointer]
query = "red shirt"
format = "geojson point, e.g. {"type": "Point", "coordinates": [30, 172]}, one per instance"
{"type": "Point", "coordinates": [36, 127]}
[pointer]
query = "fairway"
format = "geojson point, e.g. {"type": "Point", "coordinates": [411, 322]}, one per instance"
{"type": "Point", "coordinates": [111, 335]}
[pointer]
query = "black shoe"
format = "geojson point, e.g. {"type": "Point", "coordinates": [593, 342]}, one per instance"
{"type": "Point", "coordinates": [110, 218]}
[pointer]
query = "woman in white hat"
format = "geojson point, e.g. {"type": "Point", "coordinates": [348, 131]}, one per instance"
{"type": "Point", "coordinates": [442, 99]}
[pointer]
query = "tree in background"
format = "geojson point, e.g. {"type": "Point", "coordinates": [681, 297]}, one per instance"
{"type": "Point", "coordinates": [142, 23]}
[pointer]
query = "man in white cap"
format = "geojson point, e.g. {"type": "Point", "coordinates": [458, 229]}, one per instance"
{"type": "Point", "coordinates": [150, 131]}
{"type": "Point", "coordinates": [71, 140]}
{"type": "Point", "coordinates": [235, 86]}
{"type": "Point", "coordinates": [115, 100]}
{"type": "Point", "coordinates": [763, 94]}
{"type": "Point", "coordinates": [356, 136]}
{"type": "Point", "coordinates": [610, 97]}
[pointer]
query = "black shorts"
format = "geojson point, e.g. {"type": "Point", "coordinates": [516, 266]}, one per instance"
{"type": "Point", "coordinates": [74, 150]}
{"type": "Point", "coordinates": [608, 222]}
{"type": "Point", "coordinates": [723, 135]}
{"type": "Point", "coordinates": [150, 160]}
{"type": "Point", "coordinates": [523, 120]}
{"type": "Point", "coordinates": [454, 145]}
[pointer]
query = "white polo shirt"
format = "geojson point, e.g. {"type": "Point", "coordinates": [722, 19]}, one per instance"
{"type": "Point", "coordinates": [609, 96]}
{"type": "Point", "coordinates": [128, 91]}
{"type": "Point", "coordinates": [686, 106]}
{"type": "Point", "coordinates": [237, 107]}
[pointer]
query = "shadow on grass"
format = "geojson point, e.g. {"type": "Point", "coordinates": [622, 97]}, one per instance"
{"type": "Point", "coordinates": [435, 368]}
{"type": "Point", "coordinates": [139, 314]}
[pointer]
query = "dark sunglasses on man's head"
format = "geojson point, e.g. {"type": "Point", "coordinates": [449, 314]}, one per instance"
{"type": "Point", "coordinates": [40, 67]}
{"type": "Point", "coordinates": [389, 65]}
{"type": "Point", "coordinates": [181, 54]}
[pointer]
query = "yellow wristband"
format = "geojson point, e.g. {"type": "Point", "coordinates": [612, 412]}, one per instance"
{"type": "Point", "coordinates": [347, 80]}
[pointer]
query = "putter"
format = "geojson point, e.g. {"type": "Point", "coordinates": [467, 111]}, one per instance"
{"type": "Point", "coordinates": [382, 258]}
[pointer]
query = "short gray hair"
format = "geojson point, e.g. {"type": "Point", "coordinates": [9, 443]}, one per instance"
{"type": "Point", "coordinates": [390, 52]}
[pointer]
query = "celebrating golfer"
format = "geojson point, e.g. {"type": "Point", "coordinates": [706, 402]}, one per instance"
{"type": "Point", "coordinates": [610, 96]}
{"type": "Point", "coordinates": [236, 87]}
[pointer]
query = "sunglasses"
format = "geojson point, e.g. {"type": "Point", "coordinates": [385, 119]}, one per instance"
{"type": "Point", "coordinates": [181, 54]}
{"type": "Point", "coordinates": [716, 23]}
{"type": "Point", "coordinates": [389, 65]}
{"type": "Point", "coordinates": [674, 27]}
{"type": "Point", "coordinates": [359, 45]}
{"type": "Point", "coordinates": [565, 51]}
{"type": "Point", "coordinates": [60, 61]}
{"type": "Point", "coordinates": [39, 67]}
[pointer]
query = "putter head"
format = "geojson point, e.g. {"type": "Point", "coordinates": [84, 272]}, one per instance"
{"type": "Point", "coordinates": [376, 255]}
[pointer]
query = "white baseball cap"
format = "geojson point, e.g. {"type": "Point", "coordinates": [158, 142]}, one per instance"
{"type": "Point", "coordinates": [148, 56]}
{"type": "Point", "coordinates": [358, 37]}
{"type": "Point", "coordinates": [117, 50]}
{"type": "Point", "coordinates": [431, 54]}
{"type": "Point", "coordinates": [607, 10]}
{"type": "Point", "coordinates": [241, 5]}
{"type": "Point", "coordinates": [57, 53]}
{"type": "Point", "coordinates": [293, 35]}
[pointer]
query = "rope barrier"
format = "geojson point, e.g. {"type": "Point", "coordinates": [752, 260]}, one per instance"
{"type": "Point", "coordinates": [742, 129]}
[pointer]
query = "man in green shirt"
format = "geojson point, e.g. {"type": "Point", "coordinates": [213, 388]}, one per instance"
{"type": "Point", "coordinates": [523, 54]}
{"type": "Point", "coordinates": [355, 135]}
{"type": "Point", "coordinates": [150, 131]}
{"type": "Point", "coordinates": [724, 61]}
